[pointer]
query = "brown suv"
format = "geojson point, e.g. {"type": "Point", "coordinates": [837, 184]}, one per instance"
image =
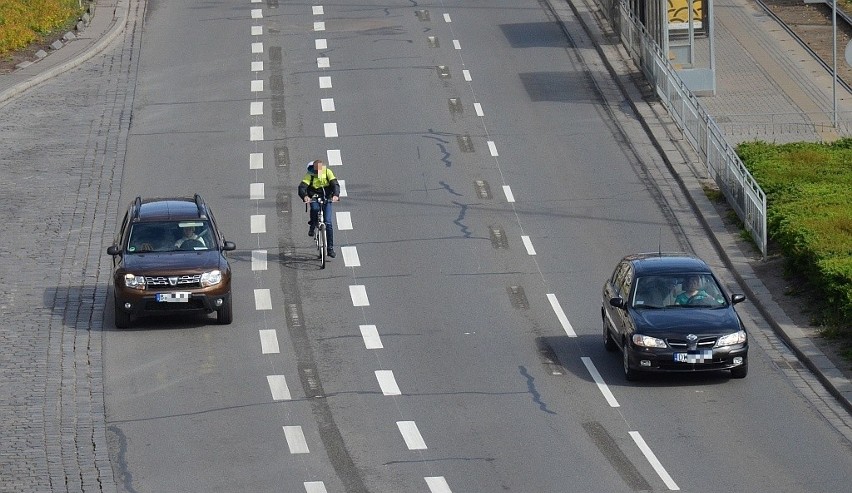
{"type": "Point", "coordinates": [169, 256]}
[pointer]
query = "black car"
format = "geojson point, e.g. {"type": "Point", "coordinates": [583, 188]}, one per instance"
{"type": "Point", "coordinates": [169, 257]}
{"type": "Point", "coordinates": [667, 312]}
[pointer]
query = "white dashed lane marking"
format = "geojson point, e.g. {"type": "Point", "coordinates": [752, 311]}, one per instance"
{"type": "Point", "coordinates": [492, 147]}
{"type": "Point", "coordinates": [342, 184]}
{"type": "Point", "coordinates": [258, 223]}
{"type": "Point", "coordinates": [466, 74]}
{"type": "Point", "coordinates": [321, 44]}
{"type": "Point", "coordinates": [296, 440]}
{"type": "Point", "coordinates": [447, 18]}
{"type": "Point", "coordinates": [262, 299]}
{"type": "Point", "coordinates": [257, 47]}
{"type": "Point", "coordinates": [528, 245]}
{"type": "Point", "coordinates": [257, 66]}
{"type": "Point", "coordinates": [411, 435]}
{"type": "Point", "coordinates": [344, 220]}
{"type": "Point", "coordinates": [317, 9]}
{"type": "Point", "coordinates": [359, 295]}
{"type": "Point", "coordinates": [269, 342]}
{"type": "Point", "coordinates": [257, 30]}
{"type": "Point", "coordinates": [256, 160]}
{"type": "Point", "coordinates": [350, 256]}
{"type": "Point", "coordinates": [387, 382]}
{"type": "Point", "coordinates": [315, 487]}
{"type": "Point", "coordinates": [256, 108]}
{"type": "Point", "coordinates": [256, 191]}
{"type": "Point", "coordinates": [258, 260]}
{"type": "Point", "coordinates": [478, 108]}
{"type": "Point", "coordinates": [333, 156]}
{"type": "Point", "coordinates": [602, 386]}
{"type": "Point", "coordinates": [323, 62]}
{"type": "Point", "coordinates": [278, 387]}
{"type": "Point", "coordinates": [649, 454]}
{"type": "Point", "coordinates": [508, 192]}
{"type": "Point", "coordinates": [256, 133]}
{"type": "Point", "coordinates": [371, 337]}
{"type": "Point", "coordinates": [319, 26]}
{"type": "Point", "coordinates": [456, 44]}
{"type": "Point", "coordinates": [437, 484]}
{"type": "Point", "coordinates": [330, 129]}
{"type": "Point", "coordinates": [327, 104]}
{"type": "Point", "coordinates": [256, 13]}
{"type": "Point", "coordinates": [560, 315]}
{"type": "Point", "coordinates": [325, 82]}
{"type": "Point", "coordinates": [257, 86]}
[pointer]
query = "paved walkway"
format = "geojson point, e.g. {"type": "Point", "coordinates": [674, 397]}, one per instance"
{"type": "Point", "coordinates": [767, 88]}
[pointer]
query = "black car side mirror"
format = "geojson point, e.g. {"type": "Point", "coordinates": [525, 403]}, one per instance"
{"type": "Point", "coordinates": [736, 298]}
{"type": "Point", "coordinates": [616, 302]}
{"type": "Point", "coordinates": [228, 246]}
{"type": "Point", "coordinates": [113, 250]}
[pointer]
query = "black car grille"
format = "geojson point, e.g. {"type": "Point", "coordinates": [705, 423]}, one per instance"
{"type": "Point", "coordinates": [703, 343]}
{"type": "Point", "coordinates": [173, 282]}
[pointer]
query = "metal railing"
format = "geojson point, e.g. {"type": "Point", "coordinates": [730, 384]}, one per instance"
{"type": "Point", "coordinates": [741, 190]}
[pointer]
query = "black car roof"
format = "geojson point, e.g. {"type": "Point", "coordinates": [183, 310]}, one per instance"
{"type": "Point", "coordinates": [666, 263]}
{"type": "Point", "coordinates": [170, 209]}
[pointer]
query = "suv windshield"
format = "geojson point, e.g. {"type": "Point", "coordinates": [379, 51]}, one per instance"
{"type": "Point", "coordinates": [170, 236]}
{"type": "Point", "coordinates": [678, 291]}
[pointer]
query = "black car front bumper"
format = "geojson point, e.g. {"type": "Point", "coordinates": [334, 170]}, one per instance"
{"type": "Point", "coordinates": [663, 360]}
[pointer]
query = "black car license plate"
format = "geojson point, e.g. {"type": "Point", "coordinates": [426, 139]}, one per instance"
{"type": "Point", "coordinates": [702, 356]}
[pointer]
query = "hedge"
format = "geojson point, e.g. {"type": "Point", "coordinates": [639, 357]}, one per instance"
{"type": "Point", "coordinates": [23, 22]}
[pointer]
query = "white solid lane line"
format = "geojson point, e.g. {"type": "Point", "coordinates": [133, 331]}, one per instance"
{"type": "Point", "coordinates": [330, 129]}
{"type": "Point", "coordinates": [325, 82]}
{"type": "Point", "coordinates": [649, 454]}
{"type": "Point", "coordinates": [342, 184]}
{"type": "Point", "coordinates": [371, 337]}
{"type": "Point", "coordinates": [296, 440]}
{"type": "Point", "coordinates": [257, 30]}
{"type": "Point", "coordinates": [256, 191]}
{"type": "Point", "coordinates": [359, 295]}
{"type": "Point", "coordinates": [350, 256]}
{"type": "Point", "coordinates": [508, 192]}
{"type": "Point", "coordinates": [269, 342]}
{"type": "Point", "coordinates": [528, 245]}
{"type": "Point", "coordinates": [333, 156]}
{"type": "Point", "coordinates": [257, 47]}
{"type": "Point", "coordinates": [257, 86]}
{"type": "Point", "coordinates": [327, 104]}
{"type": "Point", "coordinates": [321, 44]}
{"type": "Point", "coordinates": [411, 435]}
{"type": "Point", "coordinates": [256, 133]}
{"type": "Point", "coordinates": [387, 382]}
{"type": "Point", "coordinates": [258, 223]}
{"type": "Point", "coordinates": [492, 148]}
{"type": "Point", "coordinates": [437, 484]}
{"type": "Point", "coordinates": [278, 387]}
{"type": "Point", "coordinates": [262, 299]}
{"type": "Point", "coordinates": [319, 26]}
{"type": "Point", "coordinates": [344, 220]}
{"type": "Point", "coordinates": [478, 108]}
{"type": "Point", "coordinates": [315, 487]}
{"type": "Point", "coordinates": [256, 108]}
{"type": "Point", "coordinates": [256, 160]}
{"type": "Point", "coordinates": [257, 66]}
{"type": "Point", "coordinates": [317, 9]}
{"type": "Point", "coordinates": [563, 320]}
{"type": "Point", "coordinates": [258, 260]}
{"type": "Point", "coordinates": [602, 386]}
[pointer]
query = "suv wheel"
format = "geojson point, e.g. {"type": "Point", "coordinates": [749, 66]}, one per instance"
{"type": "Point", "coordinates": [122, 318]}
{"type": "Point", "coordinates": [225, 314]}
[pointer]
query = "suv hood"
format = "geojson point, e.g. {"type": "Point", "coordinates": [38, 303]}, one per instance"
{"type": "Point", "coordinates": [173, 262]}
{"type": "Point", "coordinates": [680, 321]}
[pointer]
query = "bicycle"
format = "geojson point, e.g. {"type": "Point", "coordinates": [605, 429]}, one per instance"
{"type": "Point", "coordinates": [320, 234]}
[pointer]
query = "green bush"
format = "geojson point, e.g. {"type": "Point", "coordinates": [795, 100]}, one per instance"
{"type": "Point", "coordinates": [809, 200]}
{"type": "Point", "coordinates": [23, 22]}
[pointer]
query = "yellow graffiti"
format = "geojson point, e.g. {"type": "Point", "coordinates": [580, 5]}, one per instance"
{"type": "Point", "coordinates": [679, 15]}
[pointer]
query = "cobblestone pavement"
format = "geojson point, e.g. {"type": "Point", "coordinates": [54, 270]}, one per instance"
{"type": "Point", "coordinates": [61, 158]}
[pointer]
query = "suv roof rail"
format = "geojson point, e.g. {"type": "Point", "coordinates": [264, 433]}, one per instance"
{"type": "Point", "coordinates": [202, 207]}
{"type": "Point", "coordinates": [137, 207]}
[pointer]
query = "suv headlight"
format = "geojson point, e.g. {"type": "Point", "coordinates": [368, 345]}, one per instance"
{"type": "Point", "coordinates": [211, 278]}
{"type": "Point", "coordinates": [648, 341]}
{"type": "Point", "coordinates": [731, 339]}
{"type": "Point", "coordinates": [134, 282]}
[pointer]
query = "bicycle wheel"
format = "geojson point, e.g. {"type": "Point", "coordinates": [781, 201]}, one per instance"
{"type": "Point", "coordinates": [322, 245]}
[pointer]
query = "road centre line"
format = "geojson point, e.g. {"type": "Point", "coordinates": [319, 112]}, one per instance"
{"type": "Point", "coordinates": [437, 484]}
{"type": "Point", "coordinates": [478, 108]}
{"type": "Point", "coordinates": [322, 62]}
{"type": "Point", "coordinates": [257, 66]}
{"type": "Point", "coordinates": [258, 260]}
{"type": "Point", "coordinates": [344, 220]}
{"type": "Point", "coordinates": [257, 30]}
{"type": "Point", "coordinates": [411, 435]}
{"type": "Point", "coordinates": [371, 337]}
{"type": "Point", "coordinates": [342, 184]}
{"type": "Point", "coordinates": [387, 382]}
{"type": "Point", "coordinates": [358, 293]}
{"type": "Point", "coordinates": [528, 245]}
{"type": "Point", "coordinates": [296, 440]}
{"type": "Point", "coordinates": [492, 148]}
{"type": "Point", "coordinates": [327, 104]}
{"type": "Point", "coordinates": [278, 387]}
{"type": "Point", "coordinates": [508, 192]}
{"type": "Point", "coordinates": [262, 299]}
{"type": "Point", "coordinates": [257, 47]}
{"type": "Point", "coordinates": [563, 320]}
{"type": "Point", "coordinates": [333, 157]}
{"type": "Point", "coordinates": [319, 26]}
{"type": "Point", "coordinates": [257, 85]}
{"type": "Point", "coordinates": [350, 256]}
{"type": "Point", "coordinates": [655, 463]}
{"type": "Point", "coordinates": [256, 191]}
{"type": "Point", "coordinates": [325, 82]}
{"type": "Point", "coordinates": [256, 160]}
{"type": "Point", "coordinates": [602, 386]}
{"type": "Point", "coordinates": [317, 10]}
{"type": "Point", "coordinates": [330, 129]}
{"type": "Point", "coordinates": [256, 133]}
{"type": "Point", "coordinates": [321, 44]}
{"type": "Point", "coordinates": [315, 487]}
{"type": "Point", "coordinates": [256, 108]}
{"type": "Point", "coordinates": [258, 223]}
{"type": "Point", "coordinates": [269, 342]}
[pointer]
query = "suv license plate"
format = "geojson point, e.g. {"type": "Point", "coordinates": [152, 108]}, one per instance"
{"type": "Point", "coordinates": [181, 297]}
{"type": "Point", "coordinates": [694, 356]}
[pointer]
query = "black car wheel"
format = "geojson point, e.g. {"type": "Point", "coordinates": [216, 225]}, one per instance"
{"type": "Point", "coordinates": [225, 313]}
{"type": "Point", "coordinates": [122, 318]}
{"type": "Point", "coordinates": [629, 373]}
{"type": "Point", "coordinates": [609, 344]}
{"type": "Point", "coordinates": [740, 371]}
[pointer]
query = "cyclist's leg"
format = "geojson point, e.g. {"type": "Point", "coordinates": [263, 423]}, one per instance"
{"type": "Point", "coordinates": [314, 214]}
{"type": "Point", "coordinates": [329, 229]}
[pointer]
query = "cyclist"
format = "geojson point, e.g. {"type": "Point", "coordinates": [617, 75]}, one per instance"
{"type": "Point", "coordinates": [320, 181]}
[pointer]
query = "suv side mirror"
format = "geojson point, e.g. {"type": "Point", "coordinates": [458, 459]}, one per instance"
{"type": "Point", "coordinates": [737, 298]}
{"type": "Point", "coordinates": [228, 246]}
{"type": "Point", "coordinates": [113, 250]}
{"type": "Point", "coordinates": [616, 302]}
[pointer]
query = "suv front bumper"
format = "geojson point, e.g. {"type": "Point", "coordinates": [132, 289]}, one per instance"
{"type": "Point", "coordinates": [144, 302]}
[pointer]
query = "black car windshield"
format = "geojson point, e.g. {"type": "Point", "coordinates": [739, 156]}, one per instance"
{"type": "Point", "coordinates": [675, 291]}
{"type": "Point", "coordinates": [170, 236]}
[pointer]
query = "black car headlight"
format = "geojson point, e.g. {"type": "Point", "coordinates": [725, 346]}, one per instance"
{"type": "Point", "coordinates": [648, 341]}
{"type": "Point", "coordinates": [738, 337]}
{"type": "Point", "coordinates": [133, 281]}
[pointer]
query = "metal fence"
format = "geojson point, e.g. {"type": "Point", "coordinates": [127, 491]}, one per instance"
{"type": "Point", "coordinates": [698, 127]}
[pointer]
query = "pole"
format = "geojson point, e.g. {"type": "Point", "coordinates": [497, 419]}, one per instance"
{"type": "Point", "coordinates": [834, 61]}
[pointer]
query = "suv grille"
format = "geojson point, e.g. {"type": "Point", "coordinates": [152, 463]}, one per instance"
{"type": "Point", "coordinates": [703, 343]}
{"type": "Point", "coordinates": [185, 281]}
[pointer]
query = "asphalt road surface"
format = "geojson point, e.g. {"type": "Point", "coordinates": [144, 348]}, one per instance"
{"type": "Point", "coordinates": [454, 344]}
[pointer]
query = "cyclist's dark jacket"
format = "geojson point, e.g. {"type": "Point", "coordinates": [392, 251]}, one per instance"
{"type": "Point", "coordinates": [325, 185]}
